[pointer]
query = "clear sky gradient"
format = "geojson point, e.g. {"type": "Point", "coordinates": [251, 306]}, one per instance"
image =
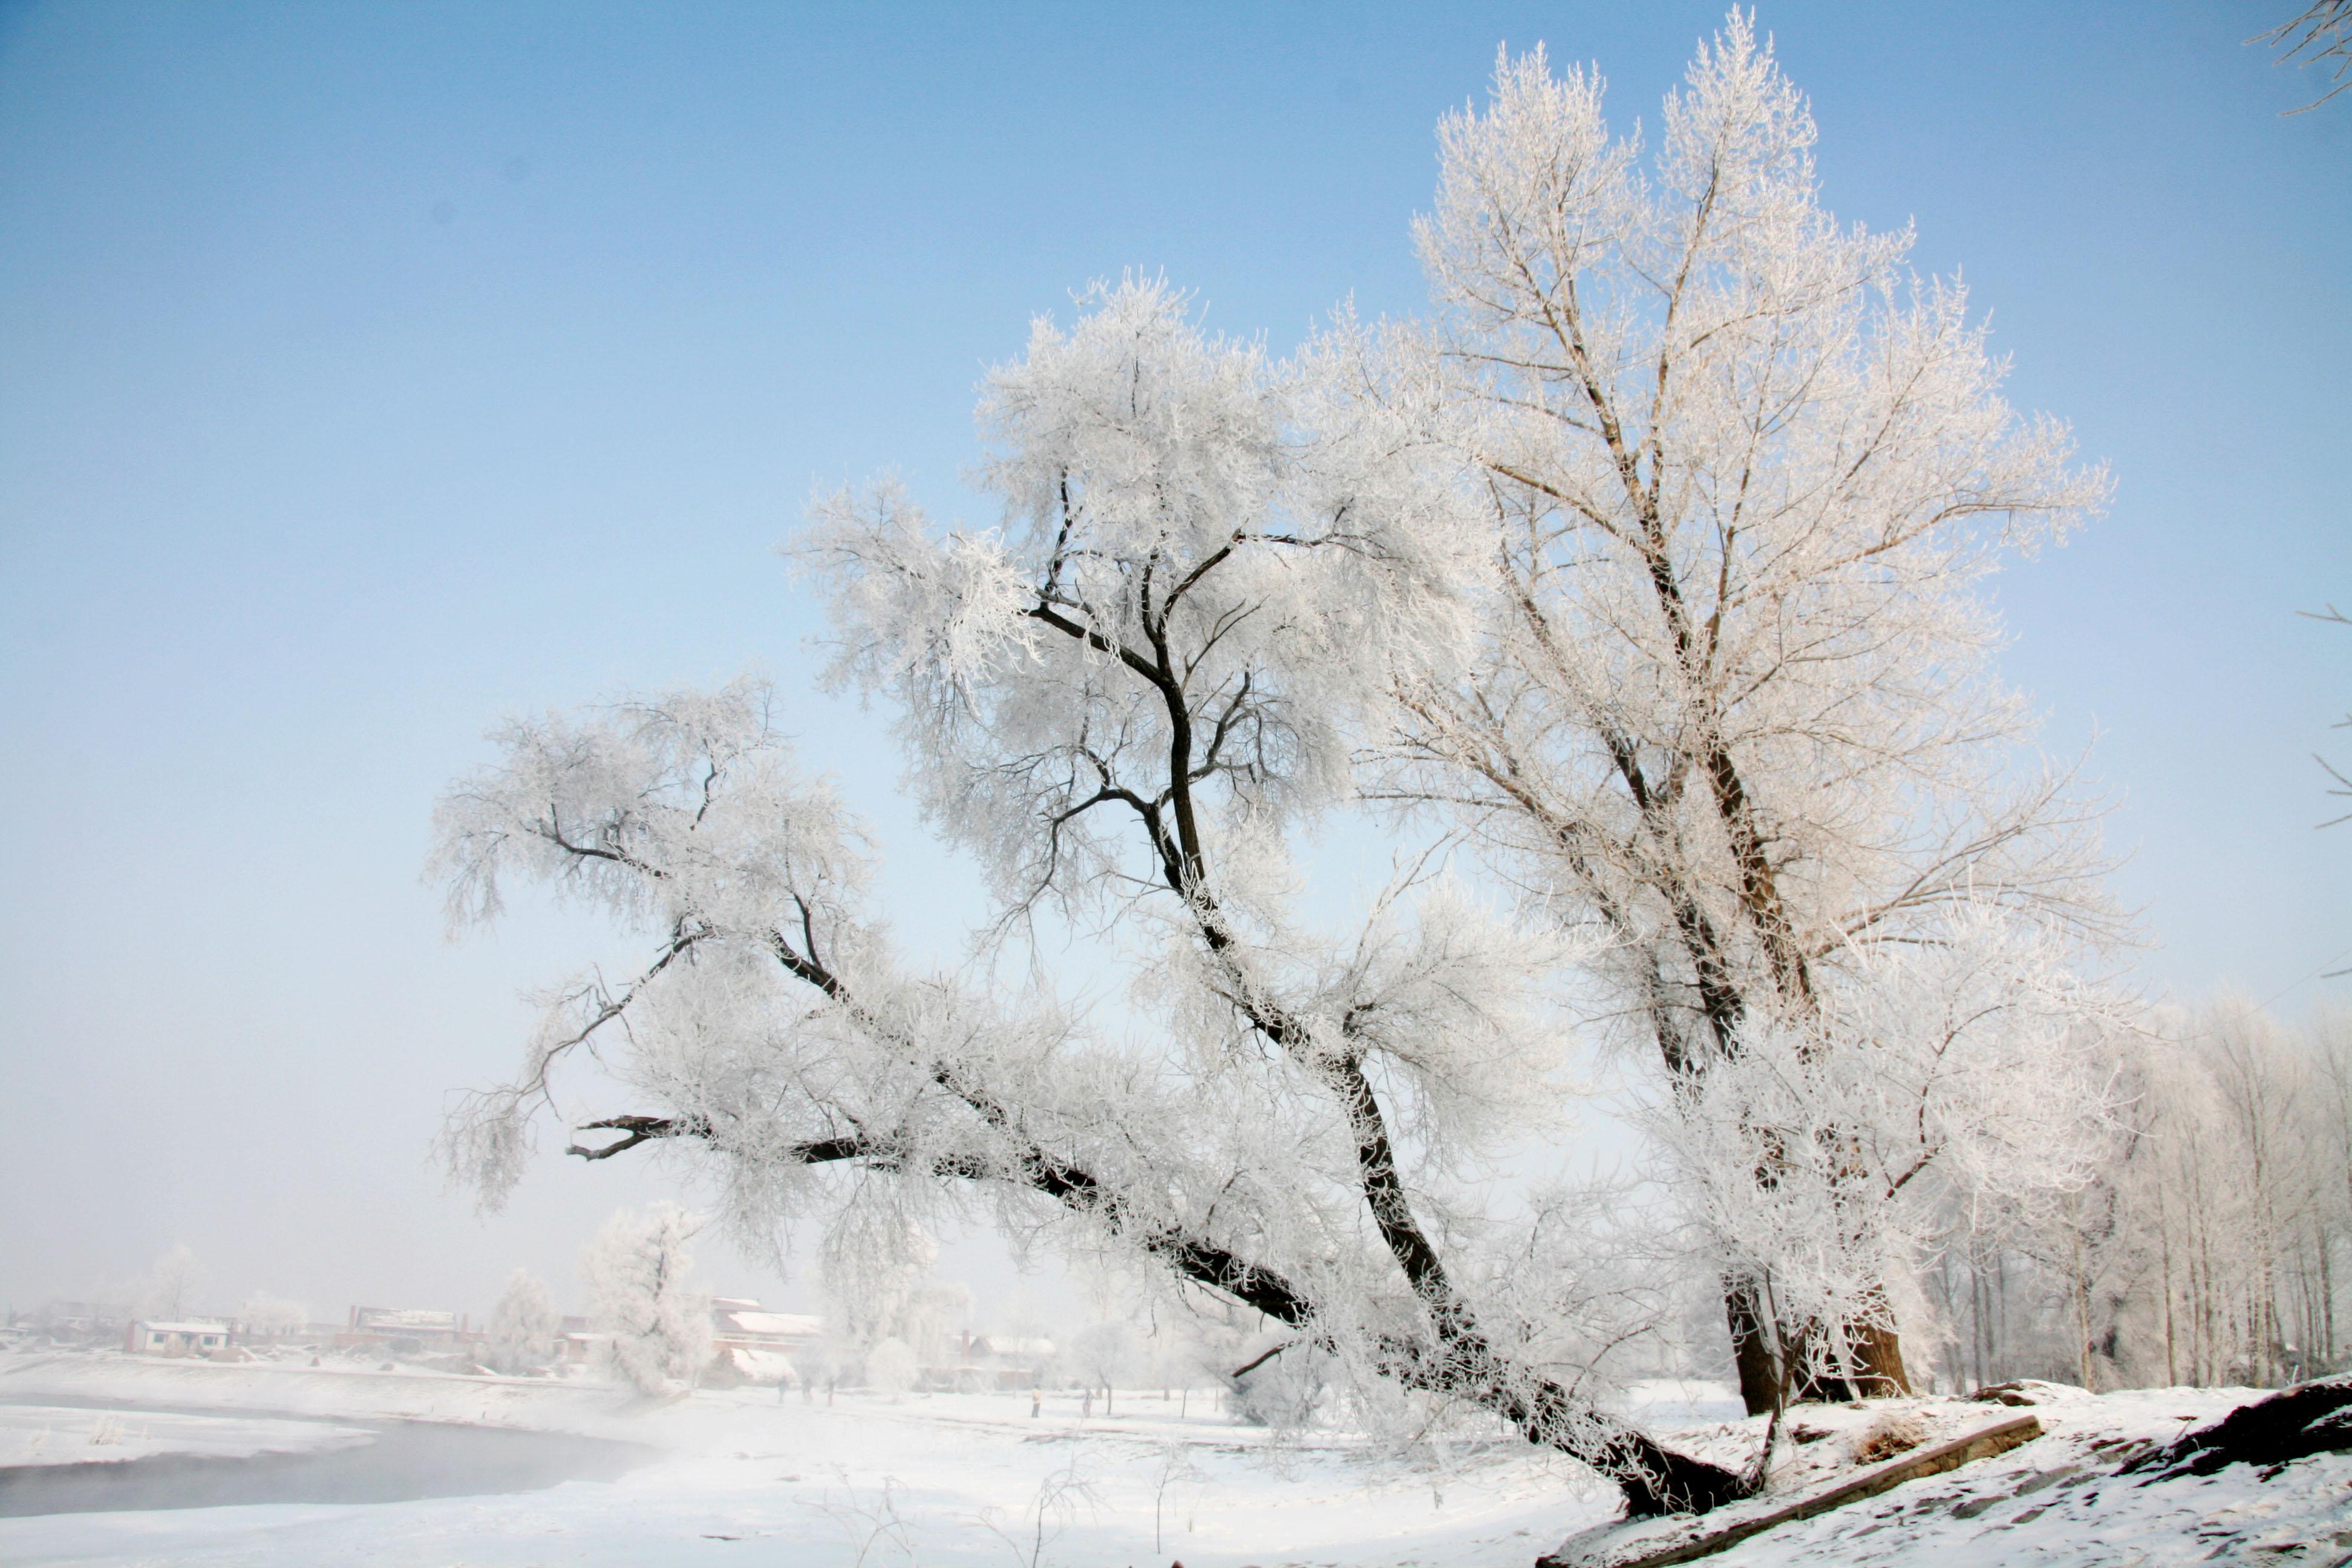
{"type": "Point", "coordinates": [369, 371]}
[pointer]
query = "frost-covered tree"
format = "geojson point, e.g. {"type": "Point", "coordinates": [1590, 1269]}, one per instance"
{"type": "Point", "coordinates": [879, 1287]}
{"type": "Point", "coordinates": [1125, 702]}
{"type": "Point", "coordinates": [658, 1325]}
{"type": "Point", "coordinates": [1654, 556]}
{"type": "Point", "coordinates": [1101, 1354]}
{"type": "Point", "coordinates": [1741, 477]}
{"type": "Point", "coordinates": [2320, 34]}
{"type": "Point", "coordinates": [2210, 1243]}
{"type": "Point", "coordinates": [268, 1316]}
{"type": "Point", "coordinates": [891, 1367]}
{"type": "Point", "coordinates": [169, 1290]}
{"type": "Point", "coordinates": [523, 1325]}
{"type": "Point", "coordinates": [2342, 786]}
{"type": "Point", "coordinates": [1954, 1072]}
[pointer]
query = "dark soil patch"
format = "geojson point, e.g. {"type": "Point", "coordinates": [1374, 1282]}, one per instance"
{"type": "Point", "coordinates": [2293, 1424]}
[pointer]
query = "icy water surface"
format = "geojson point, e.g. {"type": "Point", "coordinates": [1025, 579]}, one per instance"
{"type": "Point", "coordinates": [405, 1460]}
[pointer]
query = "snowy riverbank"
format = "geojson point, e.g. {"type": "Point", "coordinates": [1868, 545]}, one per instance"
{"type": "Point", "coordinates": [71, 1435]}
{"type": "Point", "coordinates": [741, 1479]}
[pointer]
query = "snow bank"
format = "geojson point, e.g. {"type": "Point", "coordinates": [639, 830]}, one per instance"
{"type": "Point", "coordinates": [2054, 1502]}
{"type": "Point", "coordinates": [62, 1434]}
{"type": "Point", "coordinates": [748, 1478]}
{"type": "Point", "coordinates": [332, 1390]}
{"type": "Point", "coordinates": [951, 1481]}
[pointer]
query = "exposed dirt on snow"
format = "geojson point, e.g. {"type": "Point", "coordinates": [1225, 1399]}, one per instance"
{"type": "Point", "coordinates": [2056, 1500]}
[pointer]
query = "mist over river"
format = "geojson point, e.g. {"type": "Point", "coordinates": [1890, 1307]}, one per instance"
{"type": "Point", "coordinates": [399, 1461]}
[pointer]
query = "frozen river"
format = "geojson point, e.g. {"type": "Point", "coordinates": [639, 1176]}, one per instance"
{"type": "Point", "coordinates": [436, 1469]}
{"type": "Point", "coordinates": [65, 1456]}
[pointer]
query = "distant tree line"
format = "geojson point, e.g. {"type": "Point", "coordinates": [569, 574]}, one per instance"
{"type": "Point", "coordinates": [2213, 1243]}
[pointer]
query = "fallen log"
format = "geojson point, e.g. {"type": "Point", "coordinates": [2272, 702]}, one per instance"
{"type": "Point", "coordinates": [1983, 1444]}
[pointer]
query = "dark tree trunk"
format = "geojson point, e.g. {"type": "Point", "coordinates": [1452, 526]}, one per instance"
{"type": "Point", "coordinates": [1878, 1361]}
{"type": "Point", "coordinates": [1876, 1370]}
{"type": "Point", "coordinates": [1751, 1348]}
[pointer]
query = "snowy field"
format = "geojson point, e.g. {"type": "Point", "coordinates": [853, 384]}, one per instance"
{"type": "Point", "coordinates": [741, 1479]}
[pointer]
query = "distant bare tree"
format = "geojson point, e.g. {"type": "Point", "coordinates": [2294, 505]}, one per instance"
{"type": "Point", "coordinates": [2343, 789]}
{"type": "Point", "coordinates": [169, 1290]}
{"type": "Point", "coordinates": [268, 1316]}
{"type": "Point", "coordinates": [2318, 35]}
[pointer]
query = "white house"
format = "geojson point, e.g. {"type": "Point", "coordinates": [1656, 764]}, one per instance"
{"type": "Point", "coordinates": [194, 1337]}
{"type": "Point", "coordinates": [750, 1345]}
{"type": "Point", "coordinates": [1004, 1360]}
{"type": "Point", "coordinates": [743, 1322]}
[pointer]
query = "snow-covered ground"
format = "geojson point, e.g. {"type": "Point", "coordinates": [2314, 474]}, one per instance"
{"type": "Point", "coordinates": [2053, 1501]}
{"type": "Point", "coordinates": [952, 1479]}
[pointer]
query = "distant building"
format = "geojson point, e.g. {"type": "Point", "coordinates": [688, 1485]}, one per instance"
{"type": "Point", "coordinates": [996, 1361]}
{"type": "Point", "coordinates": [576, 1341]}
{"type": "Point", "coordinates": [421, 1329]}
{"type": "Point", "coordinates": [83, 1317]}
{"type": "Point", "coordinates": [750, 1345]}
{"type": "Point", "coordinates": [193, 1337]}
{"type": "Point", "coordinates": [734, 1321]}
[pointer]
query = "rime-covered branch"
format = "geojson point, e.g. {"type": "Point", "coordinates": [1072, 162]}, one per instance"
{"type": "Point", "coordinates": [1193, 616]}
{"type": "Point", "coordinates": [1742, 478]}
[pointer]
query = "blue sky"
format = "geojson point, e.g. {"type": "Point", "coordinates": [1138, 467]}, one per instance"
{"type": "Point", "coordinates": [369, 371]}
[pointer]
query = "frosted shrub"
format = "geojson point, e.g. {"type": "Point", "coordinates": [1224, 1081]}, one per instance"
{"type": "Point", "coordinates": [890, 1368]}
{"type": "Point", "coordinates": [636, 1270]}
{"type": "Point", "coordinates": [523, 1326]}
